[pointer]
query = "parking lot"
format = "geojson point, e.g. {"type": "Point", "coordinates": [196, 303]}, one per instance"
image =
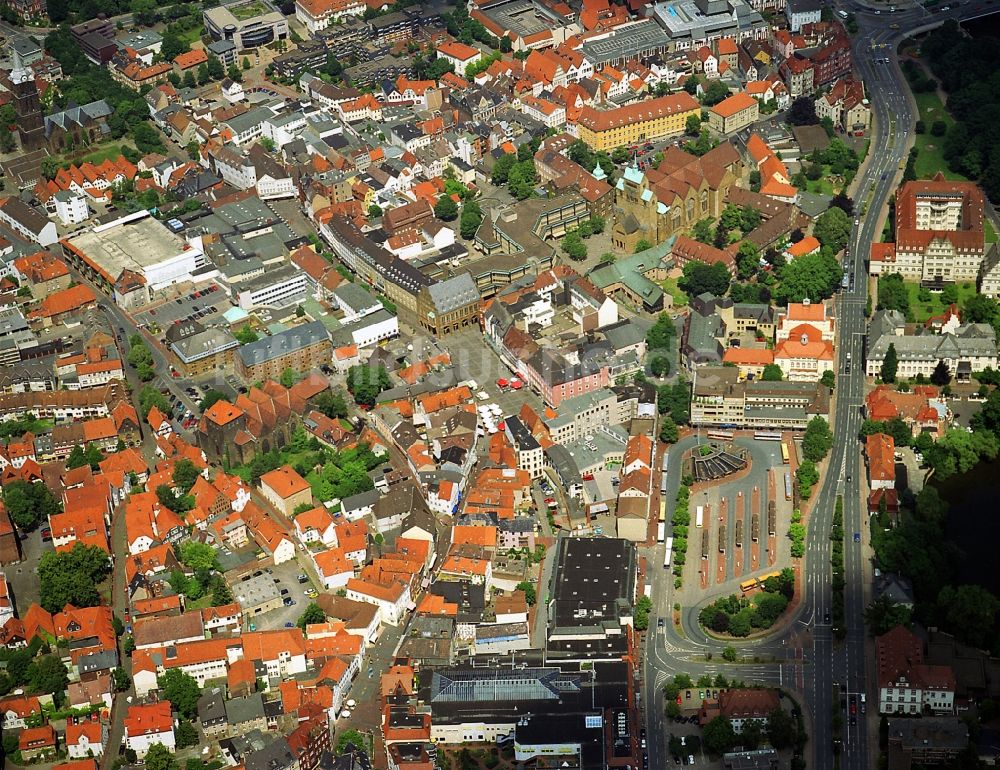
{"type": "Point", "coordinates": [285, 577]}
{"type": "Point", "coordinates": [23, 577]}
{"type": "Point", "coordinates": [203, 305]}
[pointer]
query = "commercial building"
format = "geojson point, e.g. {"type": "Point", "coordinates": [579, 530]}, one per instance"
{"type": "Point", "coordinates": [656, 118]}
{"type": "Point", "coordinates": [592, 588]}
{"type": "Point", "coordinates": [206, 351]}
{"type": "Point", "coordinates": [137, 242]}
{"type": "Point", "coordinates": [638, 40]}
{"type": "Point", "coordinates": [247, 23]}
{"type": "Point", "coordinates": [719, 398]}
{"type": "Point", "coordinates": [939, 233]}
{"type": "Point", "coordinates": [448, 306]}
{"type": "Point", "coordinates": [969, 348]}
{"type": "Point", "coordinates": [733, 113]}
{"type": "Point", "coordinates": [691, 24]}
{"type": "Point", "coordinates": [276, 288]}
{"type": "Point", "coordinates": [300, 348]}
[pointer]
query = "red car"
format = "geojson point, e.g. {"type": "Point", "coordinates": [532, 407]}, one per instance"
{"type": "Point", "coordinates": [550, 499]}
{"type": "Point", "coordinates": [46, 535]}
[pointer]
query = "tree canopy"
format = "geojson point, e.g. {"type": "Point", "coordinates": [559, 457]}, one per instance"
{"type": "Point", "coordinates": [72, 577]}
{"type": "Point", "coordinates": [182, 690]}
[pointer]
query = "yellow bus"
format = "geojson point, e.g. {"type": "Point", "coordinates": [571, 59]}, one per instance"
{"type": "Point", "coordinates": [784, 453]}
{"type": "Point", "coordinates": [748, 585]}
{"type": "Point", "coordinates": [663, 509]}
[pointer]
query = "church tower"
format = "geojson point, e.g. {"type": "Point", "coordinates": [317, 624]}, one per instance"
{"type": "Point", "coordinates": [27, 106]}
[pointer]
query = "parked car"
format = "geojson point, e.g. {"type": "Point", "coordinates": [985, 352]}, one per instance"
{"type": "Point", "coordinates": [46, 535]}
{"type": "Point", "coordinates": [303, 578]}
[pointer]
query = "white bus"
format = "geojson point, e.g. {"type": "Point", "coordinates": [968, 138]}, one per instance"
{"type": "Point", "coordinates": [699, 519]}
{"type": "Point", "coordinates": [763, 435]}
{"type": "Point", "coordinates": [667, 550]}
{"type": "Point", "coordinates": [720, 435]}
{"type": "Point", "coordinates": [661, 531]}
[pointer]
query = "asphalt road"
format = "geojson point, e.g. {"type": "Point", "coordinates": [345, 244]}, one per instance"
{"type": "Point", "coordinates": [824, 665]}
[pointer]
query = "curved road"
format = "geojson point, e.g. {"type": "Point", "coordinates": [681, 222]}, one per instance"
{"type": "Point", "coordinates": [824, 664]}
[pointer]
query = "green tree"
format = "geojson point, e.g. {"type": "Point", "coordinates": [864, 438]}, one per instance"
{"type": "Point", "coordinates": [829, 379]}
{"type": "Point", "coordinates": [502, 168]}
{"type": "Point", "coordinates": [332, 404]}
{"type": "Point", "coordinates": [29, 504]}
{"type": "Point", "coordinates": [182, 690]}
{"type": "Point", "coordinates": [641, 613]}
{"type": "Point", "coordinates": [692, 127]}
{"type": "Point", "coordinates": [446, 209]}
{"type": "Point", "coordinates": [77, 458]}
{"type": "Point", "coordinates": [198, 556]}
{"type": "Point", "coordinates": [668, 430]}
{"type": "Point", "coordinates": [832, 229]}
{"type": "Point", "coordinates": [366, 382]}
{"type": "Point", "coordinates": [747, 260]}
{"type": "Point", "coordinates": [818, 439]}
{"type": "Point", "coordinates": [718, 735]}
{"type": "Point", "coordinates": [185, 474]}
{"type": "Point", "coordinates": [781, 729]}
{"type": "Point", "coordinates": [971, 612]}
{"type": "Point", "coordinates": [210, 398]}
{"type": "Point", "coordinates": [574, 247]}
{"type": "Point", "coordinates": [980, 309]}
{"type": "Point", "coordinates": [49, 674]}
{"type": "Point", "coordinates": [642, 245]}
{"type": "Point", "coordinates": [150, 397]}
{"type": "Point", "coordinates": [245, 335]}
{"type": "Point", "coordinates": [889, 364]}
{"type": "Point", "coordinates": [120, 679]}
{"type": "Point", "coordinates": [530, 596]}
{"type": "Point", "coordinates": [941, 375]}
{"type": "Point", "coordinates": [882, 615]}
{"type": "Point", "coordinates": [160, 758]}
{"type": "Point", "coordinates": [185, 735]}
{"type": "Point", "coordinates": [813, 277]}
{"type": "Point", "coordinates": [772, 373]}
{"type": "Point", "coordinates": [313, 614]}
{"type": "Point", "coordinates": [700, 277]}
{"type": "Point", "coordinates": [374, 211]}
{"type": "Point", "coordinates": [72, 577]}
{"type": "Point", "coordinates": [729, 654]}
{"type": "Point", "coordinates": [172, 46]}
{"type": "Point", "coordinates": [472, 217]}
{"type": "Point", "coordinates": [288, 377]}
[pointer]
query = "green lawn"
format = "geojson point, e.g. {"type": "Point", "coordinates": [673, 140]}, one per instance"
{"type": "Point", "coordinates": [929, 157]}
{"type": "Point", "coordinates": [97, 155]}
{"type": "Point", "coordinates": [924, 310]}
{"type": "Point", "coordinates": [823, 185]}
{"type": "Point", "coordinates": [671, 288]}
{"type": "Point", "coordinates": [244, 11]}
{"type": "Point", "coordinates": [988, 232]}
{"type": "Point", "coordinates": [193, 35]}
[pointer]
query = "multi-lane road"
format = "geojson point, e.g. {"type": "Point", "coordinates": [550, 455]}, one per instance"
{"type": "Point", "coordinates": [826, 666]}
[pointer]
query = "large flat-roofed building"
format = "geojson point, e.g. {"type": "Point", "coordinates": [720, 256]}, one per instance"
{"type": "Point", "coordinates": [527, 23]}
{"type": "Point", "coordinates": [652, 119]}
{"type": "Point", "coordinates": [638, 40]}
{"type": "Point", "coordinates": [247, 23]}
{"type": "Point", "coordinates": [593, 584]}
{"type": "Point", "coordinates": [694, 23]}
{"type": "Point", "coordinates": [720, 399]}
{"type": "Point", "coordinates": [205, 351]}
{"type": "Point", "coordinates": [301, 348]}
{"type": "Point", "coordinates": [138, 243]}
